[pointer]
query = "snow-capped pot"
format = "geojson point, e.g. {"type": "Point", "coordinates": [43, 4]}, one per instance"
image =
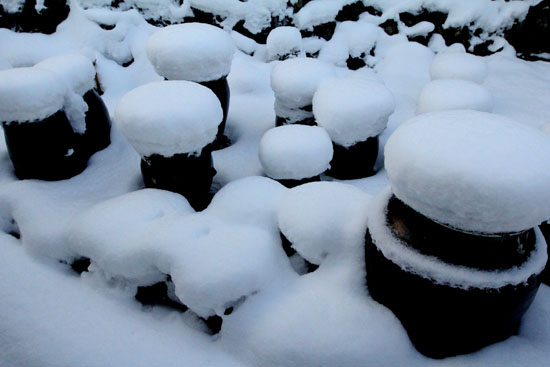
{"type": "Point", "coordinates": [172, 125]}
{"type": "Point", "coordinates": [454, 250]}
{"type": "Point", "coordinates": [457, 64]}
{"type": "Point", "coordinates": [294, 82]}
{"type": "Point", "coordinates": [454, 94]}
{"type": "Point", "coordinates": [195, 52]}
{"type": "Point", "coordinates": [354, 111]}
{"type": "Point", "coordinates": [79, 74]}
{"type": "Point", "coordinates": [295, 154]}
{"type": "Point", "coordinates": [41, 139]}
{"type": "Point", "coordinates": [284, 43]}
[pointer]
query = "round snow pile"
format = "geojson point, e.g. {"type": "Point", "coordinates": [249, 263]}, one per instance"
{"type": "Point", "coordinates": [454, 94]}
{"type": "Point", "coordinates": [113, 233]}
{"type": "Point", "coordinates": [169, 117]}
{"type": "Point", "coordinates": [471, 170]}
{"type": "Point", "coordinates": [192, 51]}
{"type": "Point", "coordinates": [29, 94]}
{"type": "Point", "coordinates": [322, 218]}
{"type": "Point", "coordinates": [352, 109]}
{"type": "Point", "coordinates": [76, 70]}
{"type": "Point", "coordinates": [283, 42]}
{"type": "Point", "coordinates": [294, 82]}
{"type": "Point", "coordinates": [459, 65]}
{"type": "Point", "coordinates": [295, 152]}
{"type": "Point", "coordinates": [350, 39]}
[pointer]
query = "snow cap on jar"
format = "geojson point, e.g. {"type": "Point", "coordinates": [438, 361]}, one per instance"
{"type": "Point", "coordinates": [458, 65]}
{"type": "Point", "coordinates": [76, 70]}
{"type": "Point", "coordinates": [352, 109]}
{"type": "Point", "coordinates": [169, 117]}
{"type": "Point", "coordinates": [454, 94]}
{"type": "Point", "coordinates": [474, 171]}
{"type": "Point", "coordinates": [191, 51]}
{"type": "Point", "coordinates": [295, 152]}
{"type": "Point", "coordinates": [30, 94]}
{"type": "Point", "coordinates": [283, 42]}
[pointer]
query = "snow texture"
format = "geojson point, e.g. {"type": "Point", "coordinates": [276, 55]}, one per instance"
{"type": "Point", "coordinates": [471, 170]}
{"type": "Point", "coordinates": [323, 218]}
{"type": "Point", "coordinates": [459, 65]}
{"type": "Point", "coordinates": [440, 272]}
{"type": "Point", "coordinates": [352, 109]}
{"type": "Point", "coordinates": [295, 152]}
{"type": "Point", "coordinates": [192, 51]}
{"type": "Point", "coordinates": [30, 94]}
{"type": "Point", "coordinates": [284, 42]}
{"type": "Point", "coordinates": [454, 94]}
{"type": "Point", "coordinates": [169, 117]}
{"type": "Point", "coordinates": [76, 70]}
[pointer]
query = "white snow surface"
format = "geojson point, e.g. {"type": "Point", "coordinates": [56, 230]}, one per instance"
{"type": "Point", "coordinates": [30, 94]}
{"type": "Point", "coordinates": [459, 65]}
{"type": "Point", "coordinates": [284, 41]}
{"type": "Point", "coordinates": [76, 70]}
{"type": "Point", "coordinates": [454, 94]}
{"type": "Point", "coordinates": [430, 267]}
{"type": "Point", "coordinates": [192, 51]}
{"type": "Point", "coordinates": [295, 152]}
{"type": "Point", "coordinates": [498, 179]}
{"type": "Point", "coordinates": [169, 117]}
{"type": "Point", "coordinates": [320, 217]}
{"type": "Point", "coordinates": [352, 109]}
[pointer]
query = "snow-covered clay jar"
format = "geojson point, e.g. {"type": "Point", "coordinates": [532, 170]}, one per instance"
{"type": "Point", "coordinates": [172, 125]}
{"type": "Point", "coordinates": [79, 74]}
{"type": "Point", "coordinates": [40, 138]}
{"type": "Point", "coordinates": [454, 94]}
{"type": "Point", "coordinates": [354, 111]}
{"type": "Point", "coordinates": [295, 154]}
{"type": "Point", "coordinates": [453, 247]}
{"type": "Point", "coordinates": [294, 82]}
{"type": "Point", "coordinates": [284, 43]}
{"type": "Point", "coordinates": [195, 52]}
{"type": "Point", "coordinates": [457, 64]}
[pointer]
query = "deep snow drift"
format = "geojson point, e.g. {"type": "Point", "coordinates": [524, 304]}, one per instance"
{"type": "Point", "coordinates": [228, 261]}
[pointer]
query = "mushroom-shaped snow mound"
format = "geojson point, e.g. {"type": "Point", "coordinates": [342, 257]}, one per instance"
{"type": "Point", "coordinates": [323, 218]}
{"type": "Point", "coordinates": [459, 65]}
{"type": "Point", "coordinates": [169, 117]}
{"type": "Point", "coordinates": [295, 152]}
{"type": "Point", "coordinates": [454, 94]}
{"type": "Point", "coordinates": [352, 109]}
{"type": "Point", "coordinates": [76, 70]}
{"type": "Point", "coordinates": [474, 171]}
{"type": "Point", "coordinates": [192, 51]}
{"type": "Point", "coordinates": [295, 81]}
{"type": "Point", "coordinates": [284, 42]}
{"type": "Point", "coordinates": [29, 94]}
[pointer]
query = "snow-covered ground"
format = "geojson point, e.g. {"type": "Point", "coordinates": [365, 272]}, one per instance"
{"type": "Point", "coordinates": [229, 256]}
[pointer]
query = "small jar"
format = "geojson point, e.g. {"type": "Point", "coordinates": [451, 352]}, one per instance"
{"type": "Point", "coordinates": [295, 154]}
{"type": "Point", "coordinates": [198, 53]}
{"type": "Point", "coordinates": [40, 138]}
{"type": "Point", "coordinates": [354, 110]}
{"type": "Point", "coordinates": [284, 43]}
{"type": "Point", "coordinates": [172, 125]}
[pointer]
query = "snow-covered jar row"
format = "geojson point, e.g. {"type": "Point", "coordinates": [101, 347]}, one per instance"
{"type": "Point", "coordinates": [195, 52]}
{"type": "Point", "coordinates": [172, 125]}
{"type": "Point", "coordinates": [53, 118]}
{"type": "Point", "coordinates": [354, 111]}
{"type": "Point", "coordinates": [453, 247]}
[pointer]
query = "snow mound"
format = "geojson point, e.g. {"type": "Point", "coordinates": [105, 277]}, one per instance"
{"type": "Point", "coordinates": [454, 94]}
{"type": "Point", "coordinates": [459, 65]}
{"type": "Point", "coordinates": [169, 117]}
{"type": "Point", "coordinates": [352, 109]}
{"type": "Point", "coordinates": [471, 170]}
{"type": "Point", "coordinates": [322, 218]}
{"type": "Point", "coordinates": [112, 232]}
{"type": "Point", "coordinates": [355, 39]}
{"type": "Point", "coordinates": [295, 81]}
{"type": "Point", "coordinates": [192, 51]}
{"type": "Point", "coordinates": [29, 94]}
{"type": "Point", "coordinates": [284, 42]}
{"type": "Point", "coordinates": [76, 70]}
{"type": "Point", "coordinates": [440, 272]}
{"type": "Point", "coordinates": [210, 263]}
{"type": "Point", "coordinates": [317, 12]}
{"type": "Point", "coordinates": [295, 152]}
